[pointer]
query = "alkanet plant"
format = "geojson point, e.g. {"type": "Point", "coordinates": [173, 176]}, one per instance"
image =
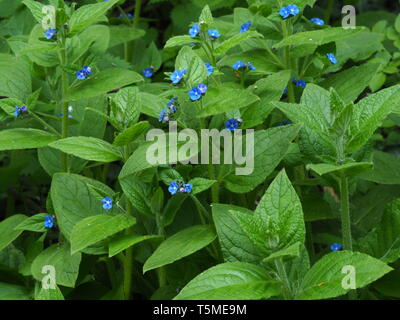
{"type": "Point", "coordinates": [81, 87]}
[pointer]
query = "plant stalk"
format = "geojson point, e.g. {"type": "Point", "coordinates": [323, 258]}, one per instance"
{"type": "Point", "coordinates": [345, 213]}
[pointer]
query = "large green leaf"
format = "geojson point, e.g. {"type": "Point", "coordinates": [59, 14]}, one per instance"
{"type": "Point", "coordinates": [89, 14]}
{"type": "Point", "coordinates": [102, 82]}
{"type": "Point", "coordinates": [180, 245]}
{"type": "Point", "coordinates": [125, 241]}
{"type": "Point", "coordinates": [13, 292]}
{"type": "Point", "coordinates": [24, 138]}
{"type": "Point", "coordinates": [196, 71]}
{"type": "Point", "coordinates": [235, 40]}
{"type": "Point", "coordinates": [131, 134]}
{"type": "Point", "coordinates": [125, 107]}
{"type": "Point", "coordinates": [7, 232]}
{"type": "Point", "coordinates": [138, 193]}
{"type": "Point", "coordinates": [324, 279]}
{"type": "Point", "coordinates": [88, 148]}
{"type": "Point", "coordinates": [58, 256]}
{"type": "Point", "coordinates": [34, 223]}
{"type": "Point", "coordinates": [96, 228]}
{"type": "Point", "coordinates": [386, 169]}
{"type": "Point", "coordinates": [348, 169]}
{"type": "Point", "coordinates": [231, 281]}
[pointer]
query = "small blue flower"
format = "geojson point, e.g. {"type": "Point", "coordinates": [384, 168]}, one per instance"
{"type": "Point", "coordinates": [187, 188]}
{"type": "Point", "coordinates": [171, 104]}
{"type": "Point", "coordinates": [250, 66]}
{"type": "Point", "coordinates": [239, 64]}
{"type": "Point", "coordinates": [284, 123]}
{"type": "Point", "coordinates": [202, 87]}
{"type": "Point", "coordinates": [173, 187]}
{"type": "Point", "coordinates": [48, 222]}
{"type": "Point", "coordinates": [317, 21]}
{"type": "Point", "coordinates": [194, 30]}
{"type": "Point", "coordinates": [195, 94]}
{"type": "Point", "coordinates": [19, 110]}
{"type": "Point", "coordinates": [231, 124]}
{"type": "Point", "coordinates": [129, 15]}
{"type": "Point", "coordinates": [88, 70]}
{"type": "Point", "coordinates": [284, 12]}
{"type": "Point", "coordinates": [107, 203]}
{"type": "Point", "coordinates": [81, 74]}
{"type": "Point", "coordinates": [293, 9]}
{"type": "Point", "coordinates": [332, 58]}
{"type": "Point", "coordinates": [50, 33]}
{"type": "Point", "coordinates": [301, 83]}
{"type": "Point", "coordinates": [336, 247]}
{"type": "Point", "coordinates": [148, 72]}
{"type": "Point", "coordinates": [213, 33]}
{"type": "Point", "coordinates": [210, 68]}
{"type": "Point", "coordinates": [177, 75]}
{"type": "Point", "coordinates": [245, 26]}
{"type": "Point", "coordinates": [285, 91]}
{"type": "Point", "coordinates": [163, 115]}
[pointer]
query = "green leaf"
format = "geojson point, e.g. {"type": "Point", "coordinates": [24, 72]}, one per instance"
{"type": "Point", "coordinates": [291, 251]}
{"type": "Point", "coordinates": [386, 169]}
{"type": "Point", "coordinates": [196, 71]}
{"type": "Point", "coordinates": [34, 223]}
{"type": "Point", "coordinates": [235, 40]}
{"type": "Point", "coordinates": [370, 112]}
{"type": "Point", "coordinates": [201, 184]}
{"type": "Point", "coordinates": [383, 242]}
{"type": "Point", "coordinates": [15, 80]}
{"type": "Point", "coordinates": [96, 228]}
{"type": "Point", "coordinates": [230, 281]}
{"type": "Point", "coordinates": [36, 9]}
{"type": "Point", "coordinates": [219, 100]}
{"type": "Point", "coordinates": [206, 15]}
{"type": "Point", "coordinates": [49, 294]}
{"type": "Point", "coordinates": [180, 245]}
{"type": "Point", "coordinates": [7, 229]}
{"type": "Point", "coordinates": [131, 134]}
{"type": "Point", "coordinates": [318, 37]}
{"type": "Point", "coordinates": [178, 41]}
{"type": "Point", "coordinates": [122, 34]}
{"type": "Point", "coordinates": [123, 242]}
{"type": "Point", "coordinates": [125, 107]}
{"type": "Point", "coordinates": [58, 256]}
{"type": "Point", "coordinates": [88, 15]}
{"type": "Point", "coordinates": [13, 292]}
{"type": "Point", "coordinates": [236, 243]}
{"type": "Point", "coordinates": [23, 138]}
{"type": "Point", "coordinates": [88, 148]}
{"type": "Point", "coordinates": [397, 24]}
{"type": "Point", "coordinates": [348, 169]}
{"type": "Point", "coordinates": [104, 81]}
{"type": "Point", "coordinates": [138, 193]}
{"type": "Point", "coordinates": [324, 279]}
{"type": "Point", "coordinates": [271, 147]}
{"type": "Point", "coordinates": [280, 210]}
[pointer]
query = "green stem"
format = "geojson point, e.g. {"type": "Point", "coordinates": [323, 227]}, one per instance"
{"type": "Point", "coordinates": [288, 63]}
{"type": "Point", "coordinates": [128, 260]}
{"type": "Point", "coordinates": [44, 123]}
{"type": "Point", "coordinates": [64, 87]}
{"type": "Point", "coordinates": [162, 275]}
{"type": "Point", "coordinates": [130, 46]}
{"type": "Point", "coordinates": [286, 288]}
{"type": "Point", "coordinates": [345, 212]}
{"type": "Point", "coordinates": [328, 11]}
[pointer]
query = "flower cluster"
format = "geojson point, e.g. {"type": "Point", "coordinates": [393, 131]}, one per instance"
{"type": "Point", "coordinates": [177, 76]}
{"type": "Point", "coordinates": [176, 186]}
{"type": "Point", "coordinates": [19, 110]}
{"type": "Point", "coordinates": [245, 26]}
{"type": "Point", "coordinates": [197, 92]}
{"type": "Point", "coordinates": [166, 113]}
{"type": "Point", "coordinates": [290, 10]}
{"type": "Point", "coordinates": [336, 247]}
{"type": "Point", "coordinates": [148, 72]}
{"type": "Point", "coordinates": [107, 203]}
{"type": "Point", "coordinates": [48, 222]}
{"type": "Point", "coordinates": [50, 33]}
{"type": "Point", "coordinates": [299, 83]}
{"type": "Point", "coordinates": [233, 124]}
{"type": "Point", "coordinates": [332, 58]}
{"type": "Point", "coordinates": [317, 21]}
{"type": "Point", "coordinates": [210, 68]}
{"type": "Point", "coordinates": [214, 34]}
{"type": "Point", "coordinates": [240, 64]}
{"type": "Point", "coordinates": [83, 73]}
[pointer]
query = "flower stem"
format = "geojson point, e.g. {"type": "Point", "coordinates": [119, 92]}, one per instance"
{"type": "Point", "coordinates": [345, 212]}
{"type": "Point", "coordinates": [328, 11]}
{"type": "Point", "coordinates": [44, 123]}
{"type": "Point", "coordinates": [128, 260]}
{"type": "Point", "coordinates": [162, 275]}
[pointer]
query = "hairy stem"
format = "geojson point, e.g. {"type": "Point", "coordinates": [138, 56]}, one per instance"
{"type": "Point", "coordinates": [345, 213]}
{"type": "Point", "coordinates": [286, 288]}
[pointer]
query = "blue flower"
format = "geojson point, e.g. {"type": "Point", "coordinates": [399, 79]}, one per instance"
{"type": "Point", "coordinates": [293, 9]}
{"type": "Point", "coordinates": [210, 68]}
{"type": "Point", "coordinates": [285, 91]}
{"type": "Point", "coordinates": [195, 94]}
{"type": "Point", "coordinates": [301, 83]}
{"type": "Point", "coordinates": [202, 87]}
{"type": "Point", "coordinates": [107, 203]}
{"type": "Point", "coordinates": [332, 58]}
{"type": "Point", "coordinates": [88, 70]}
{"type": "Point", "coordinates": [171, 104]}
{"type": "Point", "coordinates": [48, 222]}
{"type": "Point", "coordinates": [213, 33]}
{"type": "Point", "coordinates": [245, 26]}
{"type": "Point", "coordinates": [194, 30]}
{"type": "Point", "coordinates": [250, 66]}
{"type": "Point", "coordinates": [336, 247]}
{"type": "Point", "coordinates": [148, 72]}
{"type": "Point", "coordinates": [129, 15]}
{"type": "Point", "coordinates": [317, 21]}
{"type": "Point", "coordinates": [163, 115]}
{"type": "Point", "coordinates": [173, 187]}
{"type": "Point", "coordinates": [50, 33]}
{"type": "Point", "coordinates": [231, 124]}
{"type": "Point", "coordinates": [284, 123]}
{"type": "Point", "coordinates": [19, 110]}
{"type": "Point", "coordinates": [81, 74]}
{"type": "Point", "coordinates": [284, 12]}
{"type": "Point", "coordinates": [177, 75]}
{"type": "Point", "coordinates": [187, 188]}
{"type": "Point", "coordinates": [239, 64]}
